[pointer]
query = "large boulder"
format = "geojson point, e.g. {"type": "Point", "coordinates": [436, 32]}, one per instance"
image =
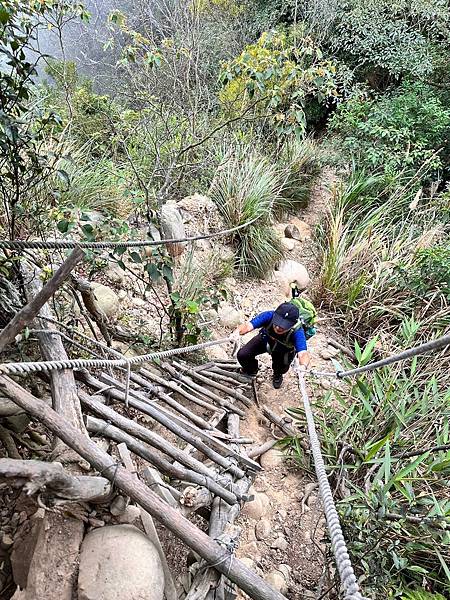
{"type": "Point", "coordinates": [172, 227]}
{"type": "Point", "coordinates": [291, 271]}
{"type": "Point", "coordinates": [230, 316]}
{"type": "Point", "coordinates": [119, 563]}
{"type": "Point", "coordinates": [106, 299]}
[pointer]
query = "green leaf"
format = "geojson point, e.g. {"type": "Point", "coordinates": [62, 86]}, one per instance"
{"type": "Point", "coordinates": [63, 225]}
{"type": "Point", "coordinates": [153, 272]}
{"type": "Point", "coordinates": [368, 351]}
{"type": "Point", "coordinates": [192, 307]}
{"type": "Point", "coordinates": [403, 473]}
{"type": "Point", "coordinates": [168, 273]}
{"type": "Point", "coordinates": [135, 257]}
{"type": "Point", "coordinates": [373, 449]}
{"type": "Point", "coordinates": [4, 16]}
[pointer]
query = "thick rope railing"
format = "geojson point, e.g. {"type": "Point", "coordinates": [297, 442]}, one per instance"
{"type": "Point", "coordinates": [437, 344]}
{"type": "Point", "coordinates": [342, 558]}
{"type": "Point", "coordinates": [68, 244]}
{"type": "Point", "coordinates": [82, 363]}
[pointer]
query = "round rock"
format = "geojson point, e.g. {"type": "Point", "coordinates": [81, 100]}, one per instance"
{"type": "Point", "coordinates": [272, 458]}
{"type": "Point", "coordinates": [291, 231]}
{"type": "Point", "coordinates": [288, 243]}
{"type": "Point", "coordinates": [263, 529]}
{"type": "Point", "coordinates": [277, 581]}
{"type": "Point", "coordinates": [229, 316]}
{"type": "Point", "coordinates": [257, 507]}
{"type": "Point", "coordinates": [106, 299]}
{"type": "Point", "coordinates": [119, 563]}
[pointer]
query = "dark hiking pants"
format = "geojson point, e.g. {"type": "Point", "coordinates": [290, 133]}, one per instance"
{"type": "Point", "coordinates": [281, 356]}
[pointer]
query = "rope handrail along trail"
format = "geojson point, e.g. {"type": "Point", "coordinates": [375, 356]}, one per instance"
{"type": "Point", "coordinates": [437, 344]}
{"type": "Point", "coordinates": [68, 244]}
{"type": "Point", "coordinates": [52, 365]}
{"type": "Point", "coordinates": [343, 563]}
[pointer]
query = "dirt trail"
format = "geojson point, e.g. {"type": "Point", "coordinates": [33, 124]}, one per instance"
{"type": "Point", "coordinates": [282, 534]}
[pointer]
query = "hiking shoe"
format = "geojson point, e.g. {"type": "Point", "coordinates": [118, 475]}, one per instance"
{"type": "Point", "coordinates": [277, 381]}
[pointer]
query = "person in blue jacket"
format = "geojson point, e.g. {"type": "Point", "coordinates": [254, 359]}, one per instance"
{"type": "Point", "coordinates": [280, 335]}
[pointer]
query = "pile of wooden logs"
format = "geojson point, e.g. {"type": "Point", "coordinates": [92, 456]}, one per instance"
{"type": "Point", "coordinates": [191, 456]}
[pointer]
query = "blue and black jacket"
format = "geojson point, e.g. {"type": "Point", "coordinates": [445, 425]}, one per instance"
{"type": "Point", "coordinates": [293, 339]}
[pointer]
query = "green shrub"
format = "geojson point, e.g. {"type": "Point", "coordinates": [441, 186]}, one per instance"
{"type": "Point", "coordinates": [397, 132]}
{"type": "Point", "coordinates": [245, 191]}
{"type": "Point", "coordinates": [384, 256]}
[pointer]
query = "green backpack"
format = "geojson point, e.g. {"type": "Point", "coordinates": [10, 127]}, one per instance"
{"type": "Point", "coordinates": [307, 314]}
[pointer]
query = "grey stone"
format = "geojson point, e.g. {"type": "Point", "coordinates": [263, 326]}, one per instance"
{"type": "Point", "coordinates": [292, 231]}
{"type": "Point", "coordinates": [326, 384]}
{"type": "Point", "coordinates": [291, 271]}
{"type": "Point", "coordinates": [230, 316]}
{"type": "Point", "coordinates": [277, 580]}
{"type": "Point", "coordinates": [106, 299]}
{"type": "Point", "coordinates": [272, 458]}
{"type": "Point", "coordinates": [131, 515]}
{"type": "Point", "coordinates": [119, 563]}
{"type": "Point", "coordinates": [115, 274]}
{"type": "Point", "coordinates": [118, 505]}
{"type": "Point", "coordinates": [263, 529]}
{"type": "Point", "coordinates": [257, 507]}
{"type": "Point", "coordinates": [288, 243]}
{"type": "Point", "coordinates": [280, 543]}
{"type": "Point", "coordinates": [172, 227]}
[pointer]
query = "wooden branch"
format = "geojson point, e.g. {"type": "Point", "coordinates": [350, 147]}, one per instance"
{"type": "Point", "coordinates": [342, 348]}
{"type": "Point", "coordinates": [218, 386]}
{"type": "Point", "coordinates": [223, 560]}
{"type": "Point", "coordinates": [155, 482]}
{"type": "Point", "coordinates": [31, 309]}
{"type": "Point", "coordinates": [208, 584]}
{"type": "Point", "coordinates": [63, 387]}
{"type": "Point", "coordinates": [194, 498]}
{"type": "Point", "coordinates": [256, 452]}
{"type": "Point", "coordinates": [176, 388]}
{"type": "Point", "coordinates": [198, 388]}
{"type": "Point", "coordinates": [8, 442]}
{"type": "Point", "coordinates": [199, 421]}
{"type": "Point", "coordinates": [36, 475]}
{"type": "Point", "coordinates": [169, 421]}
{"type": "Point", "coordinates": [176, 471]}
{"type": "Point", "coordinates": [284, 424]}
{"type": "Point", "coordinates": [144, 434]}
{"type": "Point", "coordinates": [224, 375]}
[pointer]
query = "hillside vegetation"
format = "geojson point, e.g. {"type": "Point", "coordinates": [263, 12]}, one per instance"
{"type": "Point", "coordinates": [246, 102]}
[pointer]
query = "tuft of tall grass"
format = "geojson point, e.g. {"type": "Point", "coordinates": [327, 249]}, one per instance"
{"type": "Point", "coordinates": [245, 190]}
{"type": "Point", "coordinates": [299, 165]}
{"type": "Point", "coordinates": [372, 240]}
{"type": "Point", "coordinates": [93, 186]}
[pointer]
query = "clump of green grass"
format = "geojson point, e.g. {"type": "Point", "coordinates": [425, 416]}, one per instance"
{"type": "Point", "coordinates": [299, 165]}
{"type": "Point", "coordinates": [245, 190]}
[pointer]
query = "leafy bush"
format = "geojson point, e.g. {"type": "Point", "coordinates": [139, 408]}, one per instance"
{"type": "Point", "coordinates": [246, 190]}
{"type": "Point", "coordinates": [276, 76]}
{"type": "Point", "coordinates": [397, 132]}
